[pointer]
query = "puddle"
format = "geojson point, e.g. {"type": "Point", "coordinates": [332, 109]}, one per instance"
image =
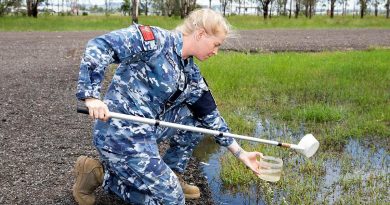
{"type": "Point", "coordinates": [359, 168]}
{"type": "Point", "coordinates": [211, 168]}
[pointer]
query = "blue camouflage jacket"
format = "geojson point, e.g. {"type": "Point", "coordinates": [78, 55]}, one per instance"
{"type": "Point", "coordinates": [150, 71]}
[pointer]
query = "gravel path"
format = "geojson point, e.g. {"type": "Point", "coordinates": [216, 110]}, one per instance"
{"type": "Point", "coordinates": [41, 135]}
{"type": "Point", "coordinates": [278, 40]}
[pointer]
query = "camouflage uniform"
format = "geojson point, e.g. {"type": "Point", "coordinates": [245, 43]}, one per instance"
{"type": "Point", "coordinates": [152, 81]}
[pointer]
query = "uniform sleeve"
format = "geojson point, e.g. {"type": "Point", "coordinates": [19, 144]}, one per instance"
{"type": "Point", "coordinates": [118, 46]}
{"type": "Point", "coordinates": [203, 107]}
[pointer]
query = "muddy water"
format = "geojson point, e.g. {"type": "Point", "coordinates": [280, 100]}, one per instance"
{"type": "Point", "coordinates": [209, 153]}
{"type": "Point", "coordinates": [357, 160]}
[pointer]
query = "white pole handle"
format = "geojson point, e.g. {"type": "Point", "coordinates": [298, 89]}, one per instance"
{"type": "Point", "coordinates": [84, 109]}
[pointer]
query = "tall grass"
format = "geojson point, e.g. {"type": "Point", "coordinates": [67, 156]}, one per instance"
{"type": "Point", "coordinates": [82, 23]}
{"type": "Point", "coordinates": [337, 94]}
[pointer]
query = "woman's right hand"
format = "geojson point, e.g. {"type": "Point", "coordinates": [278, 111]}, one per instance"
{"type": "Point", "coordinates": [97, 109]}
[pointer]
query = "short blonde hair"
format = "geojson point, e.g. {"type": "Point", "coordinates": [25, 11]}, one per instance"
{"type": "Point", "coordinates": [212, 22]}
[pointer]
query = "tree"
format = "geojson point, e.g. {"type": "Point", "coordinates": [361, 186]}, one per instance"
{"type": "Point", "coordinates": [144, 6]}
{"type": "Point", "coordinates": [332, 2]}
{"type": "Point", "coordinates": [159, 5]}
{"type": "Point", "coordinates": [32, 7]}
{"type": "Point", "coordinates": [224, 4]}
{"type": "Point", "coordinates": [376, 4]}
{"type": "Point", "coordinates": [107, 4]}
{"type": "Point", "coordinates": [387, 8]}
{"type": "Point", "coordinates": [239, 6]}
{"type": "Point", "coordinates": [170, 6]}
{"type": "Point", "coordinates": [134, 11]}
{"type": "Point", "coordinates": [309, 7]}
{"type": "Point", "coordinates": [344, 3]}
{"type": "Point", "coordinates": [184, 5]}
{"type": "Point", "coordinates": [191, 6]}
{"type": "Point", "coordinates": [265, 6]}
{"type": "Point", "coordinates": [363, 7]}
{"type": "Point", "coordinates": [125, 7]}
{"type": "Point", "coordinates": [297, 8]}
{"type": "Point", "coordinates": [282, 7]}
{"type": "Point", "coordinates": [5, 5]}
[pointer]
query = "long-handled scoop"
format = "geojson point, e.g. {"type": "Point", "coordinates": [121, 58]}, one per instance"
{"type": "Point", "coordinates": [307, 146]}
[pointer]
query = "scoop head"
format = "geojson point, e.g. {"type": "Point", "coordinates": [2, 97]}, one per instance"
{"type": "Point", "coordinates": [308, 145]}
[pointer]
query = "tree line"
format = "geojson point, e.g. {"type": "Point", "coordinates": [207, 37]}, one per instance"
{"type": "Point", "coordinates": [291, 8]}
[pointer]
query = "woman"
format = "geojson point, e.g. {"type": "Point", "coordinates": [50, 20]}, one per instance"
{"type": "Point", "coordinates": [156, 78]}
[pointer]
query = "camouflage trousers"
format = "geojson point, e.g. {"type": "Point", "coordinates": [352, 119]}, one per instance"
{"type": "Point", "coordinates": [146, 178]}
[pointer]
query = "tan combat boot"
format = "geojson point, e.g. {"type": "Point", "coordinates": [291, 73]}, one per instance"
{"type": "Point", "coordinates": [190, 191]}
{"type": "Point", "coordinates": [89, 175]}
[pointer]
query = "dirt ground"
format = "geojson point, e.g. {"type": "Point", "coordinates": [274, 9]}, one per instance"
{"type": "Point", "coordinates": [41, 135]}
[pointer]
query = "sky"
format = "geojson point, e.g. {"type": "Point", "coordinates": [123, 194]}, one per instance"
{"type": "Point", "coordinates": [101, 2]}
{"type": "Point", "coordinates": [351, 3]}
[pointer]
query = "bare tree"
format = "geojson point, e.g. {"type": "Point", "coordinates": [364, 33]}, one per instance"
{"type": "Point", "coordinates": [376, 4]}
{"type": "Point", "coordinates": [170, 6]}
{"type": "Point", "coordinates": [32, 7]}
{"type": "Point", "coordinates": [239, 6]}
{"type": "Point", "coordinates": [224, 4]}
{"type": "Point", "coordinates": [344, 4]}
{"type": "Point", "coordinates": [144, 6]}
{"type": "Point", "coordinates": [107, 6]}
{"type": "Point", "coordinates": [297, 8]}
{"type": "Point", "coordinates": [159, 6]}
{"type": "Point", "coordinates": [309, 7]}
{"type": "Point", "coordinates": [162, 7]}
{"type": "Point", "coordinates": [265, 7]}
{"type": "Point", "coordinates": [184, 8]}
{"type": "Point", "coordinates": [332, 3]}
{"type": "Point", "coordinates": [192, 6]}
{"type": "Point", "coordinates": [284, 7]}
{"type": "Point", "coordinates": [283, 4]}
{"type": "Point", "coordinates": [363, 7]}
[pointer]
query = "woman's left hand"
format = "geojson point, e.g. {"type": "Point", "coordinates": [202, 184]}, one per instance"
{"type": "Point", "coordinates": [251, 160]}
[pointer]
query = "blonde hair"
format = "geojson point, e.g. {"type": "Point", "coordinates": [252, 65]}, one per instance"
{"type": "Point", "coordinates": [212, 22]}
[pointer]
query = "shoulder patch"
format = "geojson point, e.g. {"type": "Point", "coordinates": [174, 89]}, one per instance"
{"type": "Point", "coordinates": [147, 33]}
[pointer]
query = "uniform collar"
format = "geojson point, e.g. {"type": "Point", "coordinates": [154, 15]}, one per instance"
{"type": "Point", "coordinates": [178, 47]}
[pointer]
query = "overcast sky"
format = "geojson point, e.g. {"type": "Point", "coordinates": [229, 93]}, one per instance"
{"type": "Point", "coordinates": [350, 4]}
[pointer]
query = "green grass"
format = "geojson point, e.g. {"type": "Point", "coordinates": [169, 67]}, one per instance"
{"type": "Point", "coordinates": [337, 95]}
{"type": "Point", "coordinates": [79, 23]}
{"type": "Point", "coordinates": [82, 23]}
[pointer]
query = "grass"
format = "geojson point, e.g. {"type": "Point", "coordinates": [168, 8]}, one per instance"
{"type": "Point", "coordinates": [79, 23]}
{"type": "Point", "coordinates": [336, 95]}
{"type": "Point", "coordinates": [82, 23]}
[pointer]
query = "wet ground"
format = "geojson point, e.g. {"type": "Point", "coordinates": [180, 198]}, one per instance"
{"type": "Point", "coordinates": [41, 135]}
